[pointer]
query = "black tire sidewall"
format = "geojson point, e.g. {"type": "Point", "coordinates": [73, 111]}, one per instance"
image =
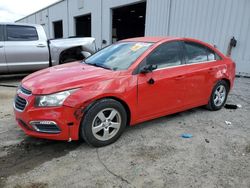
{"type": "Point", "coordinates": [86, 124]}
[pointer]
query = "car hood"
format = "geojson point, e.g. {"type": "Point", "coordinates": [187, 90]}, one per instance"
{"type": "Point", "coordinates": [64, 77]}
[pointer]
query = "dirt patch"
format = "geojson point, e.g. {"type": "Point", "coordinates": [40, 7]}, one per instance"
{"type": "Point", "coordinates": [153, 153]}
{"type": "Point", "coordinates": [248, 149]}
{"type": "Point", "coordinates": [33, 185]}
{"type": "Point", "coordinates": [29, 154]}
{"type": "Point", "coordinates": [148, 155]}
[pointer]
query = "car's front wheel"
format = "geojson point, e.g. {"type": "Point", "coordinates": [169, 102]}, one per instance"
{"type": "Point", "coordinates": [219, 96]}
{"type": "Point", "coordinates": [103, 123]}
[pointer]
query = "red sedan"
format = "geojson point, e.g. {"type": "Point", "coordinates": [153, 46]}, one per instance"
{"type": "Point", "coordinates": [129, 82]}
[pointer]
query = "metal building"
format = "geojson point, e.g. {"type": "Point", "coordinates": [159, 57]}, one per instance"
{"type": "Point", "coordinates": [213, 21]}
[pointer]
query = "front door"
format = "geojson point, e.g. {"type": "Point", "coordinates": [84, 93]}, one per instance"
{"type": "Point", "coordinates": [3, 65]}
{"type": "Point", "coordinates": [163, 90]}
{"type": "Point", "coordinates": [24, 50]}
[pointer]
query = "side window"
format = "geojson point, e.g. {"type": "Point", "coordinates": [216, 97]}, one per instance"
{"type": "Point", "coordinates": [211, 56]}
{"type": "Point", "coordinates": [166, 55]}
{"type": "Point", "coordinates": [21, 33]}
{"type": "Point", "coordinates": [196, 53]}
{"type": "Point", "coordinates": [1, 33]}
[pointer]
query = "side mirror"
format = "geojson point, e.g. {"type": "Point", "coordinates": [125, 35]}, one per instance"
{"type": "Point", "coordinates": [86, 54]}
{"type": "Point", "coordinates": [147, 68]}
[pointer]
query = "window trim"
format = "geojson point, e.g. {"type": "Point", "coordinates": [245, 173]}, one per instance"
{"type": "Point", "coordinates": [183, 54]}
{"type": "Point", "coordinates": [186, 65]}
{"type": "Point", "coordinates": [144, 61]}
{"type": "Point", "coordinates": [169, 42]}
{"type": "Point", "coordinates": [203, 46]}
{"type": "Point", "coordinates": [6, 33]}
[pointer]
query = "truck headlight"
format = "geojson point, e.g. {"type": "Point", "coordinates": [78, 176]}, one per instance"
{"type": "Point", "coordinates": [55, 99]}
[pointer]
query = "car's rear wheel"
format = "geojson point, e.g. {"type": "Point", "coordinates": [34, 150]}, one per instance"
{"type": "Point", "coordinates": [103, 123]}
{"type": "Point", "coordinates": [219, 96]}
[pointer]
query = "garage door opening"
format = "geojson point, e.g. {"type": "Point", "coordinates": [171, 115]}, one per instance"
{"type": "Point", "coordinates": [128, 21]}
{"type": "Point", "coordinates": [58, 29]}
{"type": "Point", "coordinates": [83, 26]}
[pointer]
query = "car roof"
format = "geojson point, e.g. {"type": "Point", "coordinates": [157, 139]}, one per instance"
{"type": "Point", "coordinates": [171, 38]}
{"type": "Point", "coordinates": [151, 39]}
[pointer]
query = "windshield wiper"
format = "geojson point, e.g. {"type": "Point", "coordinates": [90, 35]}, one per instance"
{"type": "Point", "coordinates": [99, 65]}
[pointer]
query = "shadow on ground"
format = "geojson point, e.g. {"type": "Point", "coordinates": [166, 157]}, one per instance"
{"type": "Point", "coordinates": [30, 153]}
{"type": "Point", "coordinates": [11, 80]}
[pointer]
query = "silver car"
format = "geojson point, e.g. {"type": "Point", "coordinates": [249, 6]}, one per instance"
{"type": "Point", "coordinates": [25, 48]}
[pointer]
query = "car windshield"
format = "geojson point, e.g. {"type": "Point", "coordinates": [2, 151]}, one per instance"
{"type": "Point", "coordinates": [118, 56]}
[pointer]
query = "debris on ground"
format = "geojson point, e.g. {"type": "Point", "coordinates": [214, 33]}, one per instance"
{"type": "Point", "coordinates": [228, 122]}
{"type": "Point", "coordinates": [186, 135]}
{"type": "Point", "coordinates": [231, 106]}
{"type": "Point", "coordinates": [239, 105]}
{"type": "Point", "coordinates": [207, 141]}
{"type": "Point", "coordinates": [248, 149]}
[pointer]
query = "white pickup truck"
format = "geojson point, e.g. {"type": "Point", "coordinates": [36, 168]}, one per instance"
{"type": "Point", "coordinates": [25, 48]}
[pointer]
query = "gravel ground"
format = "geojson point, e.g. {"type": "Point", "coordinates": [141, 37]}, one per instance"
{"type": "Point", "coordinates": [151, 154]}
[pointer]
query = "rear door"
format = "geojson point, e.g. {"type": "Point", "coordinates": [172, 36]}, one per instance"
{"type": "Point", "coordinates": [3, 64]}
{"type": "Point", "coordinates": [24, 50]}
{"type": "Point", "coordinates": [201, 67]}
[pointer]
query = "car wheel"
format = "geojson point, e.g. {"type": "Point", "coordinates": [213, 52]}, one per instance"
{"type": "Point", "coordinates": [103, 123]}
{"type": "Point", "coordinates": [219, 96]}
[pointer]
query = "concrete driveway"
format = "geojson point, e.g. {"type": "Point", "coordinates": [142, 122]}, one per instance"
{"type": "Point", "coordinates": [151, 154]}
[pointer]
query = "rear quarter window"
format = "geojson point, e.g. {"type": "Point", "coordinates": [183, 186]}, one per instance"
{"type": "Point", "coordinates": [196, 53]}
{"type": "Point", "coordinates": [21, 33]}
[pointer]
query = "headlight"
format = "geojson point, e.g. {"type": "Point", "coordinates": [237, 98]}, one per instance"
{"type": "Point", "coordinates": [55, 99]}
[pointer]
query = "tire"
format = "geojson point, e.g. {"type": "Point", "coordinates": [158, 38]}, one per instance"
{"type": "Point", "coordinates": [103, 123]}
{"type": "Point", "coordinates": [219, 95]}
{"type": "Point", "coordinates": [67, 60]}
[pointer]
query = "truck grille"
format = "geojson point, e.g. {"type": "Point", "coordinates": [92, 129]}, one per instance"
{"type": "Point", "coordinates": [20, 103]}
{"type": "Point", "coordinates": [25, 91]}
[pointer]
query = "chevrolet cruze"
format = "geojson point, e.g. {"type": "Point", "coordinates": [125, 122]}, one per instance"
{"type": "Point", "coordinates": [126, 83]}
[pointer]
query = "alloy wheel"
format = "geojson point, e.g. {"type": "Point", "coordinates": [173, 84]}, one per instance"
{"type": "Point", "coordinates": [106, 124]}
{"type": "Point", "coordinates": [219, 95]}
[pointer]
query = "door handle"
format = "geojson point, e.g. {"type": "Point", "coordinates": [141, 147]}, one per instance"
{"type": "Point", "coordinates": [179, 77]}
{"type": "Point", "coordinates": [41, 46]}
{"type": "Point", "coordinates": [151, 81]}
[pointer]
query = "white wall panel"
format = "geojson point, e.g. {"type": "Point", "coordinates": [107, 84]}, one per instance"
{"type": "Point", "coordinates": [83, 7]}
{"type": "Point", "coordinates": [42, 18]}
{"type": "Point", "coordinates": [157, 17]}
{"type": "Point", "coordinates": [107, 6]}
{"type": "Point", "coordinates": [213, 21]}
{"type": "Point", "coordinates": [56, 13]}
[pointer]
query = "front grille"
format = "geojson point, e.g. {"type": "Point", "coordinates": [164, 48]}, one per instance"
{"type": "Point", "coordinates": [25, 91]}
{"type": "Point", "coordinates": [20, 103]}
{"type": "Point", "coordinates": [45, 127]}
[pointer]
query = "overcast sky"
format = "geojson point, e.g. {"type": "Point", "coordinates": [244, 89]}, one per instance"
{"type": "Point", "coordinates": [12, 10]}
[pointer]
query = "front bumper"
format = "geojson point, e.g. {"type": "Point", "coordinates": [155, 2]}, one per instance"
{"type": "Point", "coordinates": [65, 123]}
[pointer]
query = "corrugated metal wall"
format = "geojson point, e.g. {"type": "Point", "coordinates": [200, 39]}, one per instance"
{"type": "Point", "coordinates": [157, 18]}
{"type": "Point", "coordinates": [213, 21]}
